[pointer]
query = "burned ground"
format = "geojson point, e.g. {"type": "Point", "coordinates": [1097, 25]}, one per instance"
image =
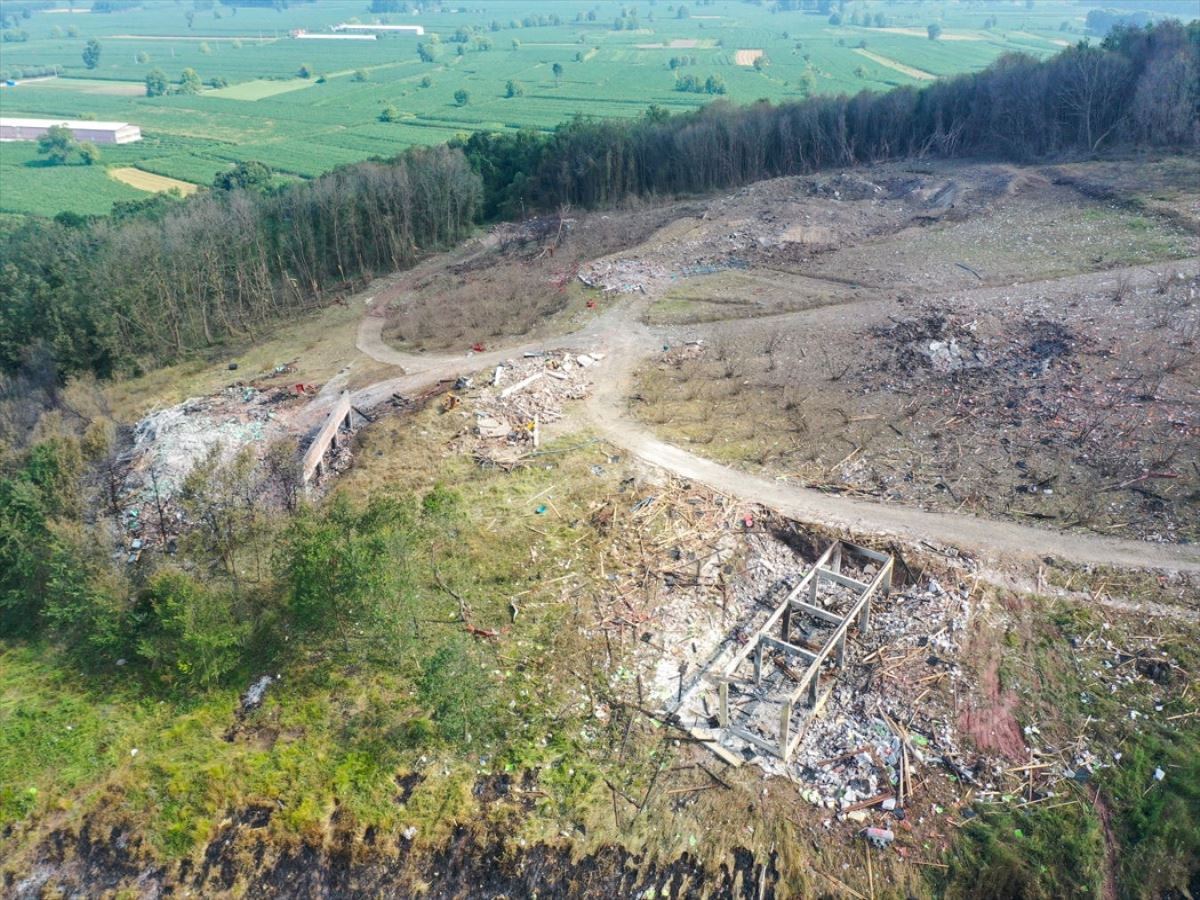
{"type": "Point", "coordinates": [958, 365]}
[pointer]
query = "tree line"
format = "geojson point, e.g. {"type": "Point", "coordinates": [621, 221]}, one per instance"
{"type": "Point", "coordinates": [132, 290]}
{"type": "Point", "coordinates": [1140, 86]}
{"type": "Point", "coordinates": [159, 278]}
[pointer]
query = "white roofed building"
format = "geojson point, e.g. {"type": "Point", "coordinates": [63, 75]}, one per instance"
{"type": "Point", "coordinates": [19, 129]}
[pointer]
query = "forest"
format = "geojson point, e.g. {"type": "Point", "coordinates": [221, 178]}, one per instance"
{"type": "Point", "coordinates": [160, 278]}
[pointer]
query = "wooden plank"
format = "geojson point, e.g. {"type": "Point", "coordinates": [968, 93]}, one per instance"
{"type": "Point", "coordinates": [523, 383]}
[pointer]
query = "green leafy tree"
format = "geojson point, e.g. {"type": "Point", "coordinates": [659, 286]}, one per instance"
{"type": "Point", "coordinates": [189, 82]}
{"type": "Point", "coordinates": [57, 144]}
{"type": "Point", "coordinates": [461, 97]}
{"type": "Point", "coordinates": [389, 114]}
{"type": "Point", "coordinates": [91, 53]}
{"type": "Point", "coordinates": [188, 631]}
{"type": "Point", "coordinates": [343, 569]}
{"type": "Point", "coordinates": [305, 71]}
{"type": "Point", "coordinates": [143, 57]}
{"type": "Point", "coordinates": [514, 89]}
{"type": "Point", "coordinates": [360, 75]}
{"type": "Point", "coordinates": [426, 81]}
{"type": "Point", "coordinates": [934, 31]}
{"type": "Point", "coordinates": [156, 83]}
{"type": "Point", "coordinates": [89, 153]}
{"type": "Point", "coordinates": [249, 174]}
{"type": "Point", "coordinates": [557, 69]}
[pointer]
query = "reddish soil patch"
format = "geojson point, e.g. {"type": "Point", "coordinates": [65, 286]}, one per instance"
{"type": "Point", "coordinates": [989, 718]}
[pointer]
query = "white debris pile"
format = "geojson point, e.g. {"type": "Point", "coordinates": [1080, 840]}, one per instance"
{"type": "Point", "coordinates": [521, 396]}
{"type": "Point", "coordinates": [888, 697]}
{"type": "Point", "coordinates": [625, 276]}
{"type": "Point", "coordinates": [169, 443]}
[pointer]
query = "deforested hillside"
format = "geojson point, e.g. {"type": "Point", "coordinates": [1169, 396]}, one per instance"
{"type": "Point", "coordinates": [771, 502]}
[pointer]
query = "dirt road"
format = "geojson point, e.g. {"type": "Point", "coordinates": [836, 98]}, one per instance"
{"type": "Point", "coordinates": [627, 341]}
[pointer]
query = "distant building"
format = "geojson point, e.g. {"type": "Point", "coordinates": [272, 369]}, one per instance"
{"type": "Point", "coordinates": [305, 36]}
{"type": "Point", "coordinates": [14, 129]}
{"type": "Point", "coordinates": [384, 29]}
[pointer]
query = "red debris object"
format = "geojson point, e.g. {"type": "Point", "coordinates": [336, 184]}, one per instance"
{"type": "Point", "coordinates": [478, 347]}
{"type": "Point", "coordinates": [591, 304]}
{"type": "Point", "coordinates": [748, 520]}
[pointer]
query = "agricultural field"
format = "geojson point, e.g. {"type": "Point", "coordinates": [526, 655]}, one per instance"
{"type": "Point", "coordinates": [255, 105]}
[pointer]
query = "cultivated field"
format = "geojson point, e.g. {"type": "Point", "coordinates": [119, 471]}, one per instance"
{"type": "Point", "coordinates": [306, 126]}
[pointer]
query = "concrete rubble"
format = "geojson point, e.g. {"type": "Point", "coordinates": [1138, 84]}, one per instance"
{"type": "Point", "coordinates": [516, 399]}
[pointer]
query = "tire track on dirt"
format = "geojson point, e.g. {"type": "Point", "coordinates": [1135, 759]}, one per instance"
{"type": "Point", "coordinates": [627, 342]}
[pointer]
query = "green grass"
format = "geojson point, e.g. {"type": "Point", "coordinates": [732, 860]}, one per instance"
{"type": "Point", "coordinates": [46, 190]}
{"type": "Point", "coordinates": [267, 110]}
{"type": "Point", "coordinates": [1056, 848]}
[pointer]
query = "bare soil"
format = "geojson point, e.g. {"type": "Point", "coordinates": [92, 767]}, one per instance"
{"type": "Point", "coordinates": [975, 340]}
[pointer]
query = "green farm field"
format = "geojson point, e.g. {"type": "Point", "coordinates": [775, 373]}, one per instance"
{"type": "Point", "coordinates": [263, 110]}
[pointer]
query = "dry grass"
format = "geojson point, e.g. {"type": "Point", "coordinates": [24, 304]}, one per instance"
{"type": "Point", "coordinates": [318, 346]}
{"type": "Point", "coordinates": [524, 286]}
{"type": "Point", "coordinates": [148, 181]}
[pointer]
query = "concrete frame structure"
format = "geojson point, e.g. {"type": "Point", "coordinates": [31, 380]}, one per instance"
{"type": "Point", "coordinates": [22, 129]}
{"type": "Point", "coordinates": [827, 568]}
{"type": "Point", "coordinates": [314, 457]}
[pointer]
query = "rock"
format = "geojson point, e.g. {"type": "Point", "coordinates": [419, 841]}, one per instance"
{"type": "Point", "coordinates": [859, 815]}
{"type": "Point", "coordinates": [880, 837]}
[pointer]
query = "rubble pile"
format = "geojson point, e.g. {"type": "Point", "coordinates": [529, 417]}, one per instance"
{"type": "Point", "coordinates": [671, 572]}
{"type": "Point", "coordinates": [624, 276]}
{"type": "Point", "coordinates": [169, 443]}
{"type": "Point", "coordinates": [891, 699]}
{"type": "Point", "coordinates": [1084, 434]}
{"type": "Point", "coordinates": [519, 398]}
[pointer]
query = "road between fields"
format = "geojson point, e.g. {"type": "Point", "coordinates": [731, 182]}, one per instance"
{"type": "Point", "coordinates": [627, 342]}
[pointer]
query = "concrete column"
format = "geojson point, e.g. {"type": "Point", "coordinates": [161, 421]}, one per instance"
{"type": "Point", "coordinates": [864, 618]}
{"type": "Point", "coordinates": [785, 724]}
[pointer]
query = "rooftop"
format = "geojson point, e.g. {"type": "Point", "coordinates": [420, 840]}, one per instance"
{"type": "Point", "coordinates": [18, 122]}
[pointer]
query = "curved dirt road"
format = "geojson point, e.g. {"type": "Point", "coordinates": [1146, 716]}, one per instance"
{"type": "Point", "coordinates": [627, 341]}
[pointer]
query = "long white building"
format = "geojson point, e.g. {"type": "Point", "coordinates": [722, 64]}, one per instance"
{"type": "Point", "coordinates": [18, 129]}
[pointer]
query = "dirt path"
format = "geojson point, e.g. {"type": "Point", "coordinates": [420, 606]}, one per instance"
{"type": "Point", "coordinates": [620, 333]}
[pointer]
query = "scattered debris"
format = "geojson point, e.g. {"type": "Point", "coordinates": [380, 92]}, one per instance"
{"type": "Point", "coordinates": [254, 695]}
